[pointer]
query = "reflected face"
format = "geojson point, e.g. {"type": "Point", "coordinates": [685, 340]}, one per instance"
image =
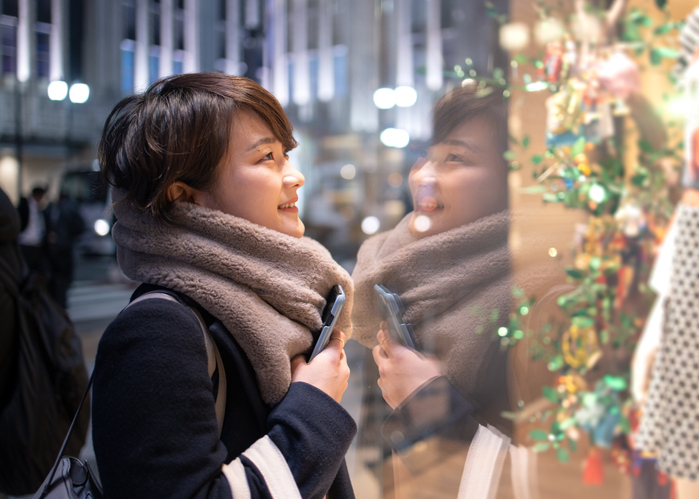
{"type": "Point", "coordinates": [460, 180]}
{"type": "Point", "coordinates": [257, 182]}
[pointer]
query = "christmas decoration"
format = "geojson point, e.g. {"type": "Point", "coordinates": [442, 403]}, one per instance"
{"type": "Point", "coordinates": [592, 76]}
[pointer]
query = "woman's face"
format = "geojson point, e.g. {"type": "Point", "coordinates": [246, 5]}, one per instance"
{"type": "Point", "coordinates": [460, 180]}
{"type": "Point", "coordinates": [257, 181]}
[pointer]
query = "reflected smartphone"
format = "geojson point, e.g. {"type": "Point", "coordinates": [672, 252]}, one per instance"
{"type": "Point", "coordinates": [392, 311]}
{"type": "Point", "coordinates": [333, 306]}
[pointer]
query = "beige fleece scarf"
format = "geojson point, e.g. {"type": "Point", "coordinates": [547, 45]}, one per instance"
{"type": "Point", "coordinates": [451, 284]}
{"type": "Point", "coordinates": [266, 287]}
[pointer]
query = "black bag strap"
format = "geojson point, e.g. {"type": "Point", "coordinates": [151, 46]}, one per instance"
{"type": "Point", "coordinates": [65, 442]}
{"type": "Point", "coordinates": [213, 355]}
{"type": "Point", "coordinates": [221, 395]}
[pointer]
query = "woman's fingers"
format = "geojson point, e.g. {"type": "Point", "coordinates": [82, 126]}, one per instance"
{"type": "Point", "coordinates": [336, 344]}
{"type": "Point", "coordinates": [384, 341]}
{"type": "Point", "coordinates": [339, 337]}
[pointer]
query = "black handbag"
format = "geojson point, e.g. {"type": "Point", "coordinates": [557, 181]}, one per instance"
{"type": "Point", "coordinates": [70, 478]}
{"type": "Point", "coordinates": [46, 390]}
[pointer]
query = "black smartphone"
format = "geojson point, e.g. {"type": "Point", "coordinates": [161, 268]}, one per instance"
{"type": "Point", "coordinates": [392, 312]}
{"type": "Point", "coordinates": [333, 306]}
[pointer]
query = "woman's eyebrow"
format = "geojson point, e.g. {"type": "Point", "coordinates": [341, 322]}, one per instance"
{"type": "Point", "coordinates": [262, 141]}
{"type": "Point", "coordinates": [463, 143]}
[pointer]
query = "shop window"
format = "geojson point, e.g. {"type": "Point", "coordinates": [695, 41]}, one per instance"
{"type": "Point", "coordinates": [129, 19]}
{"type": "Point", "coordinates": [10, 8]}
{"type": "Point", "coordinates": [127, 67]}
{"type": "Point", "coordinates": [177, 61]}
{"type": "Point", "coordinates": [340, 68]}
{"type": "Point", "coordinates": [42, 52]}
{"type": "Point", "coordinates": [153, 64]}
{"type": "Point", "coordinates": [9, 47]}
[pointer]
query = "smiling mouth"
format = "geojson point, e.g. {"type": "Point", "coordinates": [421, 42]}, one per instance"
{"type": "Point", "coordinates": [286, 206]}
{"type": "Point", "coordinates": [428, 204]}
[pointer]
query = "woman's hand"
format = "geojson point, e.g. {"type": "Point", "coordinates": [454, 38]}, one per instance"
{"type": "Point", "coordinates": [401, 369]}
{"type": "Point", "coordinates": [329, 371]}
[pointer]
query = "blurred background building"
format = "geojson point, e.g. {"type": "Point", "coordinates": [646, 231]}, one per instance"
{"type": "Point", "coordinates": [65, 64]}
{"type": "Point", "coordinates": [356, 77]}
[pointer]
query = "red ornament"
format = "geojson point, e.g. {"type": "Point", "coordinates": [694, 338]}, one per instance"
{"type": "Point", "coordinates": [593, 469]}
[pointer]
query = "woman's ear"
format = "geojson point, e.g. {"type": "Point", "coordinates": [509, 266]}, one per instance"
{"type": "Point", "coordinates": [179, 191]}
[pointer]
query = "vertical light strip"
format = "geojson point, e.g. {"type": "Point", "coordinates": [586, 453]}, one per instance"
{"type": "Point", "coordinates": [252, 14]}
{"type": "Point", "coordinates": [302, 77]}
{"type": "Point", "coordinates": [434, 45]}
{"type": "Point", "coordinates": [326, 73]}
{"type": "Point", "coordinates": [264, 73]}
{"type": "Point", "coordinates": [25, 24]}
{"type": "Point", "coordinates": [142, 46]}
{"type": "Point", "coordinates": [191, 37]}
{"type": "Point", "coordinates": [281, 71]}
{"type": "Point", "coordinates": [57, 41]}
{"type": "Point", "coordinates": [232, 37]}
{"type": "Point", "coordinates": [404, 56]}
{"type": "Point", "coordinates": [167, 37]}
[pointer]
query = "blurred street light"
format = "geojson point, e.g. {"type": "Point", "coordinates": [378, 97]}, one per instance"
{"type": "Point", "coordinates": [78, 93]}
{"type": "Point", "coordinates": [405, 96]}
{"type": "Point", "coordinates": [58, 90]}
{"type": "Point", "coordinates": [394, 137]}
{"type": "Point", "coordinates": [384, 98]}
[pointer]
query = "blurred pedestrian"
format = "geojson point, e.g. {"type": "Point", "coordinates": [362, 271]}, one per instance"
{"type": "Point", "coordinates": [65, 225]}
{"type": "Point", "coordinates": [32, 238]}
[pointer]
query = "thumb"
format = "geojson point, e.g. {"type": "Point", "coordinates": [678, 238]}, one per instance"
{"type": "Point", "coordinates": [385, 340]}
{"type": "Point", "coordinates": [337, 341]}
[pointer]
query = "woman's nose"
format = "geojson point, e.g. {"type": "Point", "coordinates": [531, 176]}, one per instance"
{"type": "Point", "coordinates": [426, 174]}
{"type": "Point", "coordinates": [293, 177]}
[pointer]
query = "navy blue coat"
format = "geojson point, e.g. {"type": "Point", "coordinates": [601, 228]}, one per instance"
{"type": "Point", "coordinates": [154, 425]}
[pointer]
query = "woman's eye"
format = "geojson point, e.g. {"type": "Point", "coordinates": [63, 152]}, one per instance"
{"type": "Point", "coordinates": [268, 156]}
{"type": "Point", "coordinates": [456, 159]}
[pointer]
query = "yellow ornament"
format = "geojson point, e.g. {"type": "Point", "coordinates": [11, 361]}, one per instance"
{"type": "Point", "coordinates": [579, 345]}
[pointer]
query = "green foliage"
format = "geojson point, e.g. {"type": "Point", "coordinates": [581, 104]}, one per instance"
{"type": "Point", "coordinates": [539, 435]}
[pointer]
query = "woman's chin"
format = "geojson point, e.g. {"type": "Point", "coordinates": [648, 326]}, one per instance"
{"type": "Point", "coordinates": [294, 230]}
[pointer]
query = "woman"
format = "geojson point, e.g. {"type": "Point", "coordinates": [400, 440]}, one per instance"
{"type": "Point", "coordinates": [205, 206]}
{"type": "Point", "coordinates": [449, 263]}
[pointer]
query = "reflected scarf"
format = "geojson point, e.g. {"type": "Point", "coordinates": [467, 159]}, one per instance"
{"type": "Point", "coordinates": [456, 290]}
{"type": "Point", "coordinates": [267, 288]}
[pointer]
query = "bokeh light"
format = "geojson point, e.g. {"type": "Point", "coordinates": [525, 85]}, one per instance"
{"type": "Point", "coordinates": [57, 90]}
{"type": "Point", "coordinates": [395, 179]}
{"type": "Point", "coordinates": [423, 223]}
{"type": "Point", "coordinates": [348, 172]}
{"type": "Point", "coordinates": [405, 96]}
{"type": "Point", "coordinates": [514, 36]}
{"type": "Point", "coordinates": [384, 98]}
{"type": "Point", "coordinates": [394, 137]}
{"type": "Point", "coordinates": [79, 93]}
{"type": "Point", "coordinates": [370, 225]}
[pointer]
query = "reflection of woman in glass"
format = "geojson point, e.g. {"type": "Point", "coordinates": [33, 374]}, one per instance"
{"type": "Point", "coordinates": [205, 205]}
{"type": "Point", "coordinates": [449, 263]}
